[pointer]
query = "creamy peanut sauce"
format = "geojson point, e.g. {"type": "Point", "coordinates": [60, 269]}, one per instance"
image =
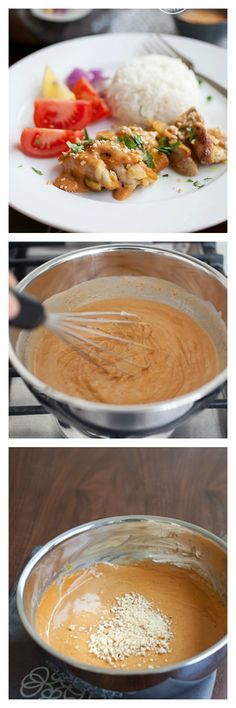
{"type": "Point", "coordinates": [180, 357]}
{"type": "Point", "coordinates": [71, 608]}
{"type": "Point", "coordinates": [70, 184]}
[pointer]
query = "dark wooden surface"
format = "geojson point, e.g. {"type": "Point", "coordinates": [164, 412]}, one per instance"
{"type": "Point", "coordinates": [19, 223]}
{"type": "Point", "coordinates": [54, 489]}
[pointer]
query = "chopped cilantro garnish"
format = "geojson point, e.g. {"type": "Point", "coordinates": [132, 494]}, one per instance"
{"type": "Point", "coordinates": [198, 184]}
{"type": "Point", "coordinates": [86, 134]}
{"type": "Point", "coordinates": [87, 141]}
{"type": "Point", "coordinates": [166, 147]}
{"type": "Point", "coordinates": [135, 141]}
{"type": "Point", "coordinates": [75, 147]}
{"type": "Point", "coordinates": [209, 98]}
{"type": "Point", "coordinates": [191, 133]}
{"type": "Point", "coordinates": [128, 141]}
{"type": "Point", "coordinates": [138, 141]}
{"type": "Point", "coordinates": [79, 146]}
{"type": "Point", "coordinates": [103, 137]}
{"type": "Point", "coordinates": [38, 172]}
{"type": "Point", "coordinates": [148, 159]}
{"type": "Point", "coordinates": [131, 141]}
{"type": "Point", "coordinates": [200, 81]}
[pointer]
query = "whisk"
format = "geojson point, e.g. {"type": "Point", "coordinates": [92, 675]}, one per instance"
{"type": "Point", "coordinates": [82, 330]}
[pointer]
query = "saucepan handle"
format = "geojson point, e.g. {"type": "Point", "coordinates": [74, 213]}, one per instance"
{"type": "Point", "coordinates": [31, 312]}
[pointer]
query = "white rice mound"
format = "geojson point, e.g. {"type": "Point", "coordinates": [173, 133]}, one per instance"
{"type": "Point", "coordinates": [152, 87]}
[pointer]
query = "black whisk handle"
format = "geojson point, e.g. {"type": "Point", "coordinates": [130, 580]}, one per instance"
{"type": "Point", "coordinates": [31, 313]}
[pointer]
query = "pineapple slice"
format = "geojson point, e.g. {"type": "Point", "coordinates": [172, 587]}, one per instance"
{"type": "Point", "coordinates": [52, 88]}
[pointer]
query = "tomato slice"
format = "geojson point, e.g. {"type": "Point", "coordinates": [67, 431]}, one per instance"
{"type": "Point", "coordinates": [46, 142]}
{"type": "Point", "coordinates": [84, 91]}
{"type": "Point", "coordinates": [53, 113]}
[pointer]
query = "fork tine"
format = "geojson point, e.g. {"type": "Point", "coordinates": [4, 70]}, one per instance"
{"type": "Point", "coordinates": [158, 44]}
{"type": "Point", "coordinates": [177, 54]}
{"type": "Point", "coordinates": [152, 45]}
{"type": "Point", "coordinates": [167, 47]}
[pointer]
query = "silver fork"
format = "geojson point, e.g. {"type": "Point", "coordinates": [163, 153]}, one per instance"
{"type": "Point", "coordinates": [156, 43]}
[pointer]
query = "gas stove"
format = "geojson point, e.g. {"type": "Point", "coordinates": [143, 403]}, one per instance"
{"type": "Point", "coordinates": [28, 419]}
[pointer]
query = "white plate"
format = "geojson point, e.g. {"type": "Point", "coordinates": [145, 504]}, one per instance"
{"type": "Point", "coordinates": [171, 204]}
{"type": "Point", "coordinates": [70, 16]}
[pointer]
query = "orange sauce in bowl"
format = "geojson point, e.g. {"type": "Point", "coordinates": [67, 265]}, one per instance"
{"type": "Point", "coordinates": [72, 607]}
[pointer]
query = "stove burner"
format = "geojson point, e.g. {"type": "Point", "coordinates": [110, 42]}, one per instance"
{"type": "Point", "coordinates": [68, 431]}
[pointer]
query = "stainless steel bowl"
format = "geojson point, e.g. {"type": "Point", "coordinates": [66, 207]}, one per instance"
{"type": "Point", "coordinates": [201, 287]}
{"type": "Point", "coordinates": [119, 539]}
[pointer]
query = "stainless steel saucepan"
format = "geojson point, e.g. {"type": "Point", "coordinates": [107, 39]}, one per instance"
{"type": "Point", "coordinates": [118, 540]}
{"type": "Point", "coordinates": [169, 276]}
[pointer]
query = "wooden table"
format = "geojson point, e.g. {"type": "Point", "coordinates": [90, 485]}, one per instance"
{"type": "Point", "coordinates": [54, 489]}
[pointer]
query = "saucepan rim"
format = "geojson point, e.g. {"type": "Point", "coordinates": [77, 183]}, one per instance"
{"type": "Point", "coordinates": [93, 525]}
{"type": "Point", "coordinates": [77, 402]}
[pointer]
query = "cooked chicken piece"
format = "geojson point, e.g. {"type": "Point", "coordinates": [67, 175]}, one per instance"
{"type": "Point", "coordinates": [148, 137]}
{"type": "Point", "coordinates": [117, 152]}
{"type": "Point", "coordinates": [208, 144]}
{"type": "Point", "coordinates": [189, 118]}
{"type": "Point", "coordinates": [161, 161]}
{"type": "Point", "coordinates": [118, 161]}
{"type": "Point", "coordinates": [159, 126]}
{"type": "Point", "coordinates": [130, 157]}
{"type": "Point", "coordinates": [209, 148]}
{"type": "Point", "coordinates": [131, 174]}
{"type": "Point", "coordinates": [219, 135]}
{"type": "Point", "coordinates": [88, 166]}
{"type": "Point", "coordinates": [182, 162]}
{"type": "Point", "coordinates": [181, 158]}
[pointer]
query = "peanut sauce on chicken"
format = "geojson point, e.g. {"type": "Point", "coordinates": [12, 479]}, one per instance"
{"type": "Point", "coordinates": [132, 157]}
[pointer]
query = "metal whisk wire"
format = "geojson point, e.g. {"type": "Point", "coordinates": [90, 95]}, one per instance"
{"type": "Point", "coordinates": [82, 330]}
{"type": "Point", "coordinates": [75, 329]}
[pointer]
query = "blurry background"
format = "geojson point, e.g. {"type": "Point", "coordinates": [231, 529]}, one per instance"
{"type": "Point", "coordinates": [28, 32]}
